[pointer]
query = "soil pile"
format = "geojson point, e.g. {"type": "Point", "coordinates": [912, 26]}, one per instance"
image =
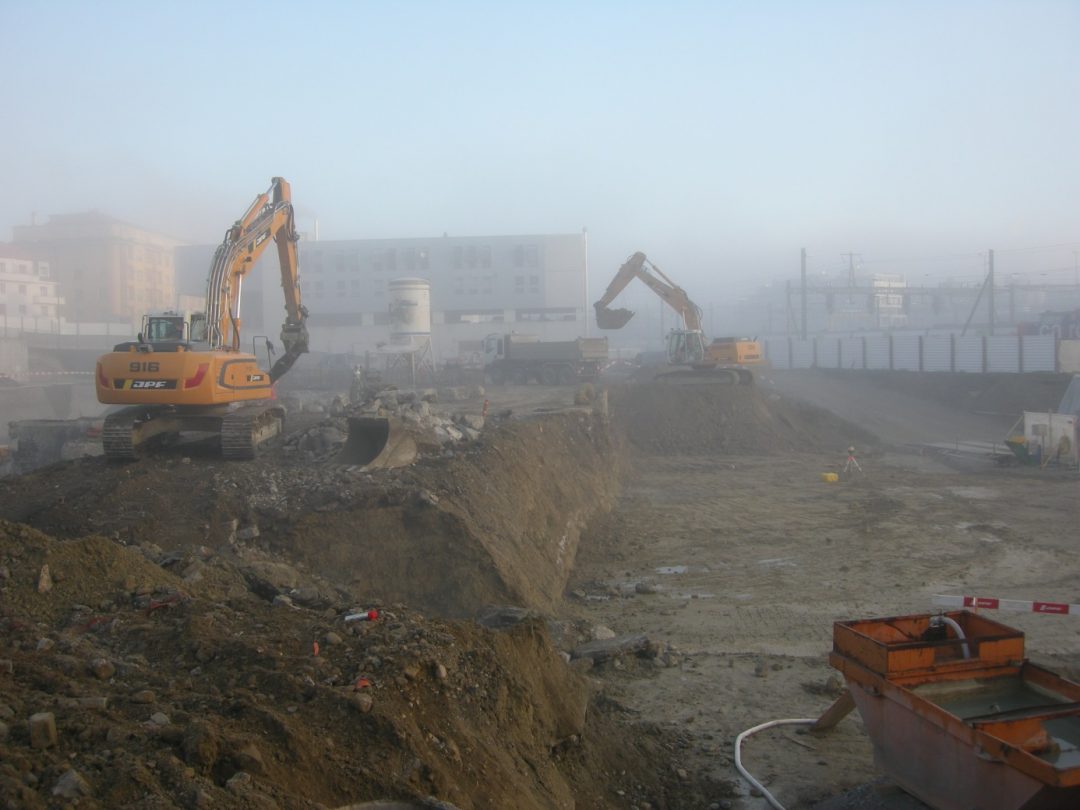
{"type": "Point", "coordinates": [497, 521]}
{"type": "Point", "coordinates": [141, 686]}
{"type": "Point", "coordinates": [670, 419]}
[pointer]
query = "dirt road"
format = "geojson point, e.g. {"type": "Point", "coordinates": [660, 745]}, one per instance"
{"type": "Point", "coordinates": [743, 562]}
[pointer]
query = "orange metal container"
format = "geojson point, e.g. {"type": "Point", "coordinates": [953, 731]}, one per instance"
{"type": "Point", "coordinates": [963, 724]}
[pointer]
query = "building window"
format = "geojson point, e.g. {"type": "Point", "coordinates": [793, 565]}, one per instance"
{"type": "Point", "coordinates": [519, 284]}
{"type": "Point", "coordinates": [423, 258]}
{"type": "Point", "coordinates": [459, 285]}
{"type": "Point", "coordinates": [485, 255]}
{"type": "Point", "coordinates": [44, 291]}
{"type": "Point", "coordinates": [457, 257]}
{"type": "Point", "coordinates": [531, 256]}
{"type": "Point", "coordinates": [341, 285]}
{"type": "Point", "coordinates": [356, 288]}
{"type": "Point", "coordinates": [316, 261]}
{"type": "Point", "coordinates": [339, 262]}
{"type": "Point", "coordinates": [534, 284]}
{"type": "Point", "coordinates": [22, 289]}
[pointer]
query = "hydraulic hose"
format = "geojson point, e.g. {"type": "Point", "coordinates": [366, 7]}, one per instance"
{"type": "Point", "coordinates": [750, 732]}
{"type": "Point", "coordinates": [955, 625]}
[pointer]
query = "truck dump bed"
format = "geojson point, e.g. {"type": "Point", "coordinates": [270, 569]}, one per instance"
{"type": "Point", "coordinates": [568, 350]}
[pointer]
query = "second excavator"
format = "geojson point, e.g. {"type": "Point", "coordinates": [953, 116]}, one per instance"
{"type": "Point", "coordinates": [188, 373]}
{"type": "Point", "coordinates": [724, 360]}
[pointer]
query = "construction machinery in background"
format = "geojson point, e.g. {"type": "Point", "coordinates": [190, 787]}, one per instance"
{"type": "Point", "coordinates": [188, 372]}
{"type": "Point", "coordinates": [519, 358]}
{"type": "Point", "coordinates": [724, 360]}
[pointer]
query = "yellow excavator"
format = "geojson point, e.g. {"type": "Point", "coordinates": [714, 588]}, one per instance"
{"type": "Point", "coordinates": [724, 360]}
{"type": "Point", "coordinates": [188, 372]}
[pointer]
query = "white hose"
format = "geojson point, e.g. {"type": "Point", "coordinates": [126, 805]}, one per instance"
{"type": "Point", "coordinates": [956, 629]}
{"type": "Point", "coordinates": [751, 731]}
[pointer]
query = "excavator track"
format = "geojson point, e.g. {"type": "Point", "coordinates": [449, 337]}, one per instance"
{"type": "Point", "coordinates": [243, 430]}
{"type": "Point", "coordinates": [118, 436]}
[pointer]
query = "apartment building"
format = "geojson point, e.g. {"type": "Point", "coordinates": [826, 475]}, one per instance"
{"type": "Point", "coordinates": [107, 269]}
{"type": "Point", "coordinates": [27, 290]}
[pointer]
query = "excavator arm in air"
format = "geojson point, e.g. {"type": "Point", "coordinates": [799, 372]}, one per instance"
{"type": "Point", "coordinates": [638, 266]}
{"type": "Point", "coordinates": [269, 217]}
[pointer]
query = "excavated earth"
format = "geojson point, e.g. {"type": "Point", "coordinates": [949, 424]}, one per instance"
{"type": "Point", "coordinates": [183, 619]}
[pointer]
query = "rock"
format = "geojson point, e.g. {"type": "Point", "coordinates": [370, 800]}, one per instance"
{"type": "Point", "coordinates": [96, 703]}
{"type": "Point", "coordinates": [363, 702]}
{"type": "Point", "coordinates": [4, 731]}
{"type": "Point", "coordinates": [42, 730]}
{"type": "Point", "coordinates": [159, 719]}
{"type": "Point", "coordinates": [645, 588]}
{"type": "Point", "coordinates": [71, 785]}
{"type": "Point", "coordinates": [200, 746]}
{"type": "Point", "coordinates": [473, 420]}
{"type": "Point", "coordinates": [601, 632]}
{"type": "Point", "coordinates": [281, 600]}
{"type": "Point", "coordinates": [504, 616]}
{"type": "Point", "coordinates": [604, 649]}
{"type": "Point", "coordinates": [45, 582]}
{"type": "Point", "coordinates": [439, 671]}
{"type": "Point", "coordinates": [45, 644]}
{"type": "Point", "coordinates": [247, 533]}
{"type": "Point", "coordinates": [7, 666]}
{"type": "Point", "coordinates": [332, 638]}
{"type": "Point", "coordinates": [102, 668]}
{"type": "Point", "coordinates": [144, 696]}
{"type": "Point", "coordinates": [250, 759]}
{"type": "Point", "coordinates": [238, 782]}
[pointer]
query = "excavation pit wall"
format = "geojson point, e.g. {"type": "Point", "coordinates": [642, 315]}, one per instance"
{"type": "Point", "coordinates": [499, 524]}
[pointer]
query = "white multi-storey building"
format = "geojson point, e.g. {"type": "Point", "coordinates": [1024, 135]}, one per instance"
{"type": "Point", "coordinates": [532, 284]}
{"type": "Point", "coordinates": [27, 291]}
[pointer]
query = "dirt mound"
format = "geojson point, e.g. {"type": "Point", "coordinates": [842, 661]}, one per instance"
{"type": "Point", "coordinates": [163, 698]}
{"type": "Point", "coordinates": [496, 522]}
{"type": "Point", "coordinates": [709, 419]}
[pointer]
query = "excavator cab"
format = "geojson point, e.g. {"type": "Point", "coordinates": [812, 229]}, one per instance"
{"type": "Point", "coordinates": [165, 327]}
{"type": "Point", "coordinates": [686, 348]}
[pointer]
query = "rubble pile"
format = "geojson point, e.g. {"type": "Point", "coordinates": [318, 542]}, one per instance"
{"type": "Point", "coordinates": [437, 429]}
{"type": "Point", "coordinates": [136, 677]}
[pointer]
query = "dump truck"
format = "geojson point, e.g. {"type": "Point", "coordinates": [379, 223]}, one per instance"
{"type": "Point", "coordinates": [519, 359]}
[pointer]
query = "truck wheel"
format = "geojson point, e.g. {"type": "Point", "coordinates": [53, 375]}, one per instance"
{"type": "Point", "coordinates": [549, 375]}
{"type": "Point", "coordinates": [566, 375]}
{"type": "Point", "coordinates": [519, 376]}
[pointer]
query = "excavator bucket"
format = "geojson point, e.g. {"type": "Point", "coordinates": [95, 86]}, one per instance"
{"type": "Point", "coordinates": [378, 443]}
{"type": "Point", "coordinates": [612, 318]}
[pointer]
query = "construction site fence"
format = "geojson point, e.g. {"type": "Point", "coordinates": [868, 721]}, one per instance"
{"type": "Point", "coordinates": [977, 354]}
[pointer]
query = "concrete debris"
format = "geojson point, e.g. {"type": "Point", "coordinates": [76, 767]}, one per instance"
{"type": "Point", "coordinates": [42, 730]}
{"type": "Point", "coordinates": [71, 785]}
{"type": "Point", "coordinates": [605, 649]}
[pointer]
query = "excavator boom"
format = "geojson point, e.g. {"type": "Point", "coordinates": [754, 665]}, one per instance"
{"type": "Point", "coordinates": [638, 266]}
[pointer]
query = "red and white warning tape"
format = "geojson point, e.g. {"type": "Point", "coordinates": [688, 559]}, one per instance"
{"type": "Point", "coordinates": [1015, 605]}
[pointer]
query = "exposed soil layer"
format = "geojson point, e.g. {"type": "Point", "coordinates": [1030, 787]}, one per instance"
{"type": "Point", "coordinates": [205, 602]}
{"type": "Point", "coordinates": [177, 686]}
{"type": "Point", "coordinates": [498, 522]}
{"type": "Point", "coordinates": [722, 419]}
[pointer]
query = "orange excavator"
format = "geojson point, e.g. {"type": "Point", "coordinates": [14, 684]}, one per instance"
{"type": "Point", "coordinates": [724, 360]}
{"type": "Point", "coordinates": [188, 373]}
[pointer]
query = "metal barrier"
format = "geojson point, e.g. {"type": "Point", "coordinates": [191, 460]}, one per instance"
{"type": "Point", "coordinates": [970, 353]}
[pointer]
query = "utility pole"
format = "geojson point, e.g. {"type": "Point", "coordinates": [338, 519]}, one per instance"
{"type": "Point", "coordinates": [804, 293]}
{"type": "Point", "coordinates": [990, 292]}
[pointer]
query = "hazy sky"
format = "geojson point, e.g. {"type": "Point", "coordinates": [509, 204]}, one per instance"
{"type": "Point", "coordinates": [718, 137]}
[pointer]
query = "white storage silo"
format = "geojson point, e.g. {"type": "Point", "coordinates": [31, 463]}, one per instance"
{"type": "Point", "coordinates": [410, 311]}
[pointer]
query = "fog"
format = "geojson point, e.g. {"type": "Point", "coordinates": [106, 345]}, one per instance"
{"type": "Point", "coordinates": [720, 138]}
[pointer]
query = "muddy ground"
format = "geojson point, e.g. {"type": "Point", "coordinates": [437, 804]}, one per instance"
{"type": "Point", "coordinates": [695, 517]}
